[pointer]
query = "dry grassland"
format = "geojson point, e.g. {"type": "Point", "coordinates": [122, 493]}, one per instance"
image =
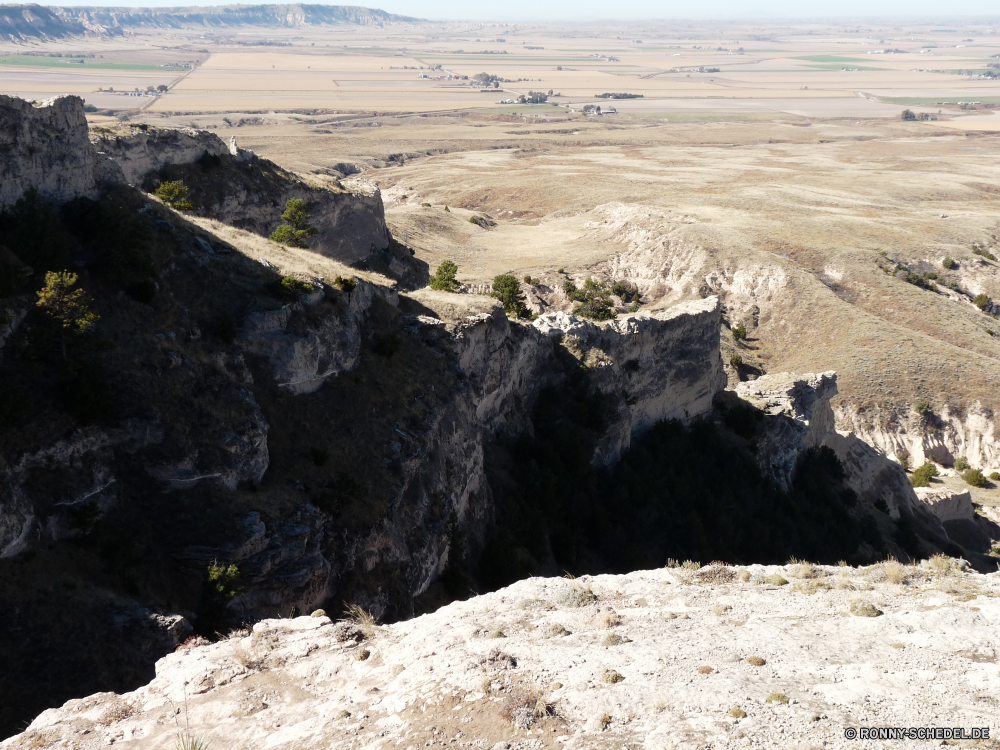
{"type": "Point", "coordinates": [792, 216]}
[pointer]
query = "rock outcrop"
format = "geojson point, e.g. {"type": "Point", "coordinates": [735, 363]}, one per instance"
{"type": "Point", "coordinates": [806, 420]}
{"type": "Point", "coordinates": [663, 658]}
{"type": "Point", "coordinates": [46, 148]}
{"type": "Point", "coordinates": [941, 436]}
{"type": "Point", "coordinates": [302, 362]}
{"type": "Point", "coordinates": [239, 188]}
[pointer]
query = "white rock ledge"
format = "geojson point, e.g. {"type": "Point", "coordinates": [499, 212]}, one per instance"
{"type": "Point", "coordinates": [684, 638]}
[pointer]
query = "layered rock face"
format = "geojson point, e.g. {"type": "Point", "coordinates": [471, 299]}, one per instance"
{"type": "Point", "coordinates": [806, 420]}
{"type": "Point", "coordinates": [236, 187]}
{"type": "Point", "coordinates": [46, 148]}
{"type": "Point", "coordinates": [650, 367]}
{"type": "Point", "coordinates": [942, 437]}
{"type": "Point", "coordinates": [788, 655]}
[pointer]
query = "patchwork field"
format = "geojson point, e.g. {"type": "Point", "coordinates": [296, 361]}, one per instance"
{"type": "Point", "coordinates": [817, 70]}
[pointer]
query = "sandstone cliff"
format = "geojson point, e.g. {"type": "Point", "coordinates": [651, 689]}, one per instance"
{"type": "Point", "coordinates": [685, 657]}
{"type": "Point", "coordinates": [46, 148]}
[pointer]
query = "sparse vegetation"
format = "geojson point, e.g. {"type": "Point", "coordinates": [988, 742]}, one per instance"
{"type": "Point", "coordinates": [739, 332]}
{"type": "Point", "coordinates": [921, 407]}
{"type": "Point", "coordinates": [922, 476]}
{"type": "Point", "coordinates": [982, 301]}
{"type": "Point", "coordinates": [296, 229]}
{"type": "Point", "coordinates": [983, 252]}
{"type": "Point", "coordinates": [614, 639]}
{"type": "Point", "coordinates": [611, 676]}
{"type": "Point", "coordinates": [523, 707]}
{"type": "Point", "coordinates": [444, 279]}
{"type": "Point", "coordinates": [860, 608]}
{"type": "Point", "coordinates": [737, 713]}
{"type": "Point", "coordinates": [290, 288]}
{"type": "Point", "coordinates": [962, 463]}
{"type": "Point", "coordinates": [507, 289]}
{"type": "Point", "coordinates": [358, 615]}
{"type": "Point", "coordinates": [974, 478]}
{"type": "Point", "coordinates": [188, 741]}
{"type": "Point", "coordinates": [776, 579]}
{"type": "Point", "coordinates": [594, 299]}
{"type": "Point", "coordinates": [69, 308]}
{"type": "Point", "coordinates": [949, 263]}
{"type": "Point", "coordinates": [174, 194]}
{"type": "Point", "coordinates": [777, 698]}
{"type": "Point", "coordinates": [756, 661]}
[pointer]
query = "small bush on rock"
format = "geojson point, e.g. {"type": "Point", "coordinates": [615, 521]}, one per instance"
{"type": "Point", "coordinates": [961, 464]}
{"type": "Point", "coordinates": [949, 263]}
{"type": "Point", "coordinates": [974, 478]}
{"type": "Point", "coordinates": [921, 477]}
{"type": "Point", "coordinates": [174, 194]}
{"type": "Point", "coordinates": [982, 301]}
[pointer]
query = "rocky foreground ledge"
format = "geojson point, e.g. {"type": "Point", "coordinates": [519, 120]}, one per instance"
{"type": "Point", "coordinates": [781, 656]}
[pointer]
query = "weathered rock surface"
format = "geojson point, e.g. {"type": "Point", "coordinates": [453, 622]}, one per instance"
{"type": "Point", "coordinates": [46, 147]}
{"type": "Point", "coordinates": [303, 362]}
{"type": "Point", "coordinates": [807, 421]}
{"type": "Point", "coordinates": [236, 187]}
{"type": "Point", "coordinates": [687, 658]}
{"type": "Point", "coordinates": [666, 364]}
{"type": "Point", "coordinates": [941, 437]}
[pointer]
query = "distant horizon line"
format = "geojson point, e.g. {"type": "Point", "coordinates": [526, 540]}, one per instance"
{"type": "Point", "coordinates": [743, 16]}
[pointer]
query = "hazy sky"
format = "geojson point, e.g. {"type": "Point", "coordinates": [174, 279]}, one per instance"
{"type": "Point", "coordinates": [588, 10]}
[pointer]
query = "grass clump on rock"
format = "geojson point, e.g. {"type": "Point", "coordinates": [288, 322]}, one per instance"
{"type": "Point", "coordinates": [776, 698]}
{"type": "Point", "coordinates": [579, 597]}
{"type": "Point", "coordinates": [737, 713]}
{"type": "Point", "coordinates": [865, 609]}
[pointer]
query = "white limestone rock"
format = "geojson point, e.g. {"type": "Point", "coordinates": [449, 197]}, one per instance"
{"type": "Point", "coordinates": [680, 641]}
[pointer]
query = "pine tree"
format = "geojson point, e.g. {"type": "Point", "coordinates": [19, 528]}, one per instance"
{"type": "Point", "coordinates": [69, 307]}
{"type": "Point", "coordinates": [296, 229]}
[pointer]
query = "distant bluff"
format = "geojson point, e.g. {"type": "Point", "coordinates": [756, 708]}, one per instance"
{"type": "Point", "coordinates": [23, 22]}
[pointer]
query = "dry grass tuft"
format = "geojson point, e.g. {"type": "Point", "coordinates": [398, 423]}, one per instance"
{"type": "Point", "coordinates": [250, 659]}
{"type": "Point", "coordinates": [756, 661]}
{"type": "Point", "coordinates": [118, 711]}
{"type": "Point", "coordinates": [899, 645]}
{"type": "Point", "coordinates": [523, 707]}
{"type": "Point", "coordinates": [716, 573]}
{"type": "Point", "coordinates": [578, 596]}
{"type": "Point", "coordinates": [705, 669]}
{"type": "Point", "coordinates": [611, 676]}
{"type": "Point", "coordinates": [613, 639]}
{"type": "Point", "coordinates": [737, 713]}
{"type": "Point", "coordinates": [604, 721]}
{"type": "Point", "coordinates": [860, 608]}
{"type": "Point", "coordinates": [777, 698]}
{"type": "Point", "coordinates": [894, 571]}
{"type": "Point", "coordinates": [609, 619]}
{"type": "Point", "coordinates": [721, 609]}
{"type": "Point", "coordinates": [556, 630]}
{"type": "Point", "coordinates": [776, 580]}
{"type": "Point", "coordinates": [942, 565]}
{"type": "Point", "coordinates": [359, 616]}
